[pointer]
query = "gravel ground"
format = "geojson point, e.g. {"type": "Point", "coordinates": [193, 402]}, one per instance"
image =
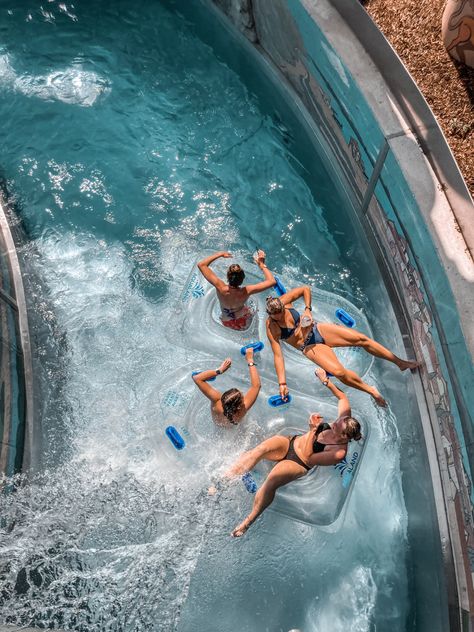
{"type": "Point", "coordinates": [413, 27]}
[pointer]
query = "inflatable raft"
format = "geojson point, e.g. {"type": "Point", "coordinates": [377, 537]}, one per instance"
{"type": "Point", "coordinates": [196, 325]}
{"type": "Point", "coordinates": [317, 499]}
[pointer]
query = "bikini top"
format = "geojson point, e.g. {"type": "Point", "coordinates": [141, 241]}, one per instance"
{"type": "Point", "coordinates": [286, 332]}
{"type": "Point", "coordinates": [319, 447]}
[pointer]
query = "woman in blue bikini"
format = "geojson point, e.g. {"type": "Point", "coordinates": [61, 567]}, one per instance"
{"type": "Point", "coordinates": [316, 342]}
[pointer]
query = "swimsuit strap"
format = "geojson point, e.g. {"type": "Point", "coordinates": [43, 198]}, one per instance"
{"type": "Point", "coordinates": [295, 318]}
{"type": "Point", "coordinates": [321, 428]}
{"type": "Point", "coordinates": [288, 331]}
{"type": "Point", "coordinates": [292, 440]}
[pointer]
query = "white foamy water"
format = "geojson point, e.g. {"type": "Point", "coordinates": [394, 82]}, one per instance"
{"type": "Point", "coordinates": [70, 85]}
{"type": "Point", "coordinates": [121, 533]}
{"type": "Point", "coordinates": [115, 534]}
{"type": "Point", "coordinates": [349, 607]}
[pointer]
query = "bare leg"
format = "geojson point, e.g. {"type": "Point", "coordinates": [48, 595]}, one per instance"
{"type": "Point", "coordinates": [339, 336]}
{"type": "Point", "coordinates": [283, 473]}
{"type": "Point", "coordinates": [327, 359]}
{"type": "Point", "coordinates": [272, 449]}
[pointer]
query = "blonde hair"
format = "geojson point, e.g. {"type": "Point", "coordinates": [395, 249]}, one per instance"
{"type": "Point", "coordinates": [353, 429]}
{"type": "Point", "coordinates": [274, 305]}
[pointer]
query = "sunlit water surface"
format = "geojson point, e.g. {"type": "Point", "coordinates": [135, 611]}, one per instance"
{"type": "Point", "coordinates": [130, 149]}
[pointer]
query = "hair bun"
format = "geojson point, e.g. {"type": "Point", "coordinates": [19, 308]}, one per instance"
{"type": "Point", "coordinates": [353, 429]}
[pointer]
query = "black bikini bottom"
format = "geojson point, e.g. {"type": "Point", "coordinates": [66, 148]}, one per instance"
{"type": "Point", "coordinates": [292, 456]}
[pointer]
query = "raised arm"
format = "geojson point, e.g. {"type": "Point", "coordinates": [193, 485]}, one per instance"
{"type": "Point", "coordinates": [206, 271]}
{"type": "Point", "coordinates": [278, 360]}
{"type": "Point", "coordinates": [343, 407]}
{"type": "Point", "coordinates": [293, 295]}
{"type": "Point", "coordinates": [200, 380]}
{"type": "Point", "coordinates": [270, 280]}
{"type": "Point", "coordinates": [252, 394]}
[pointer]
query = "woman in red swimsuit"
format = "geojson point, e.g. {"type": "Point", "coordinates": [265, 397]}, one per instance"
{"type": "Point", "coordinates": [323, 444]}
{"type": "Point", "coordinates": [232, 296]}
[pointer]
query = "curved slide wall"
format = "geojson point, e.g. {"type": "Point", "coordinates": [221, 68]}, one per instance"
{"type": "Point", "coordinates": [416, 210]}
{"type": "Point", "coordinates": [16, 389]}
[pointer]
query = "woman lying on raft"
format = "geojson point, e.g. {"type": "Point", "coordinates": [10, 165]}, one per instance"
{"type": "Point", "coordinates": [323, 444]}
{"type": "Point", "coordinates": [232, 297]}
{"type": "Point", "coordinates": [316, 341]}
{"type": "Point", "coordinates": [231, 406]}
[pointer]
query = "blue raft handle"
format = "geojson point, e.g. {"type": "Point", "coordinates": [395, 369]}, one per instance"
{"type": "Point", "coordinates": [209, 379]}
{"type": "Point", "coordinates": [345, 318]}
{"type": "Point", "coordinates": [175, 438]}
{"type": "Point", "coordinates": [277, 400]}
{"type": "Point", "coordinates": [250, 484]}
{"type": "Point", "coordinates": [279, 287]}
{"type": "Point", "coordinates": [256, 346]}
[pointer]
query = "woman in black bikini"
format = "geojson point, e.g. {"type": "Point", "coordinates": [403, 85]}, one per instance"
{"type": "Point", "coordinates": [316, 341]}
{"type": "Point", "coordinates": [323, 444]}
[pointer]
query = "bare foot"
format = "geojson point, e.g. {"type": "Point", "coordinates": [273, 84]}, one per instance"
{"type": "Point", "coordinates": [379, 400]}
{"type": "Point", "coordinates": [403, 365]}
{"type": "Point", "coordinates": [239, 531]}
{"type": "Point", "coordinates": [212, 490]}
{"type": "Point", "coordinates": [225, 365]}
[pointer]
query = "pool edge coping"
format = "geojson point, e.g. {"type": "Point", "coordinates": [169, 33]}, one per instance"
{"type": "Point", "coordinates": [422, 119]}
{"type": "Point", "coordinates": [17, 278]}
{"type": "Point", "coordinates": [389, 68]}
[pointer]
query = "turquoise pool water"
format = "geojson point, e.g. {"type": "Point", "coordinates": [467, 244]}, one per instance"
{"type": "Point", "coordinates": [131, 148]}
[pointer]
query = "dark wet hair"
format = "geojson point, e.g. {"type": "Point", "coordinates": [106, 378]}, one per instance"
{"type": "Point", "coordinates": [235, 275]}
{"type": "Point", "coordinates": [353, 430]}
{"type": "Point", "coordinates": [231, 400]}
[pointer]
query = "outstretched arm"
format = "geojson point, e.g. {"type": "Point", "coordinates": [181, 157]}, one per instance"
{"type": "Point", "coordinates": [206, 271]}
{"type": "Point", "coordinates": [328, 457]}
{"type": "Point", "coordinates": [270, 280]}
{"type": "Point", "coordinates": [344, 407]}
{"type": "Point", "coordinates": [252, 394]}
{"type": "Point", "coordinates": [278, 361]}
